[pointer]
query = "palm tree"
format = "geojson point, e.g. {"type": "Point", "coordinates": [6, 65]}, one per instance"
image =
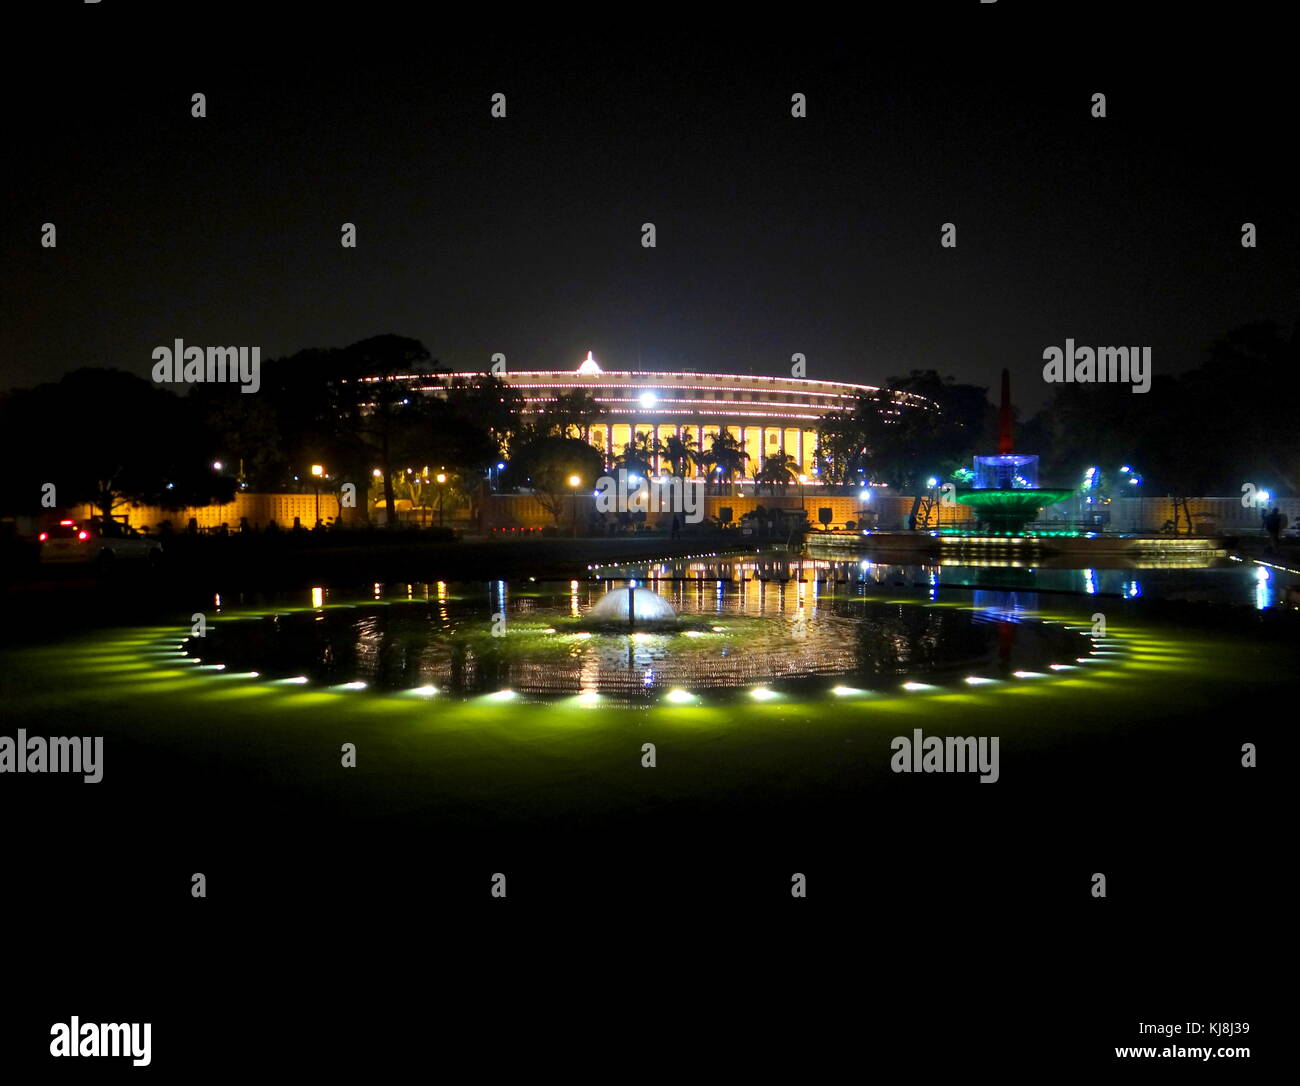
{"type": "Point", "coordinates": [679, 453]}
{"type": "Point", "coordinates": [778, 469]}
{"type": "Point", "coordinates": [575, 411]}
{"type": "Point", "coordinates": [725, 456]}
{"type": "Point", "coordinates": [637, 455]}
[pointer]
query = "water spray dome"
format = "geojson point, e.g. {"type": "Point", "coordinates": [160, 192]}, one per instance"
{"type": "Point", "coordinates": [632, 607]}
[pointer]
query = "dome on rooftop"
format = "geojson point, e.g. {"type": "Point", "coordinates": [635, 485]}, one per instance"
{"type": "Point", "coordinates": [590, 365]}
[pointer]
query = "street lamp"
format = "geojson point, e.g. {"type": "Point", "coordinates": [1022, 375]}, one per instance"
{"type": "Point", "coordinates": [931, 485]}
{"type": "Point", "coordinates": [441, 478]}
{"type": "Point", "coordinates": [1134, 480]}
{"type": "Point", "coordinates": [575, 481]}
{"type": "Point", "coordinates": [317, 471]}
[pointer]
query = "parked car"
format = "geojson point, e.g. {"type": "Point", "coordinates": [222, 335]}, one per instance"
{"type": "Point", "coordinates": [99, 541]}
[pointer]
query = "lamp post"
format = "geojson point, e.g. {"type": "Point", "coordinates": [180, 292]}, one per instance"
{"type": "Point", "coordinates": [419, 493]}
{"type": "Point", "coordinates": [441, 477]}
{"type": "Point", "coordinates": [575, 481]}
{"type": "Point", "coordinates": [1134, 480]}
{"type": "Point", "coordinates": [317, 471]}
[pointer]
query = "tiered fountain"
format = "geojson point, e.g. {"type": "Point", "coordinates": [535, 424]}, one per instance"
{"type": "Point", "coordinates": [1006, 495]}
{"type": "Point", "coordinates": [1005, 498]}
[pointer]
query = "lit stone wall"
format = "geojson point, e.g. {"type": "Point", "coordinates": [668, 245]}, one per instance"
{"type": "Point", "coordinates": [260, 509]}
{"type": "Point", "coordinates": [513, 512]}
{"type": "Point", "coordinates": [1226, 515]}
{"type": "Point", "coordinates": [1212, 514]}
{"type": "Point", "coordinates": [516, 512]}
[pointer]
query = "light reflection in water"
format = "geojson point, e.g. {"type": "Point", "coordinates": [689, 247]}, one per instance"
{"type": "Point", "coordinates": [1263, 589]}
{"type": "Point", "coordinates": [769, 636]}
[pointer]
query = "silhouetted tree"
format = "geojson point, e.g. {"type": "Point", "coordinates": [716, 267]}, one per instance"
{"type": "Point", "coordinates": [107, 438]}
{"type": "Point", "coordinates": [546, 465]}
{"type": "Point", "coordinates": [725, 458]}
{"type": "Point", "coordinates": [680, 454]}
{"type": "Point", "coordinates": [637, 457]}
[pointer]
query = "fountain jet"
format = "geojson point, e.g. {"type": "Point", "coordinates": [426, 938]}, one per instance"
{"type": "Point", "coordinates": [632, 606]}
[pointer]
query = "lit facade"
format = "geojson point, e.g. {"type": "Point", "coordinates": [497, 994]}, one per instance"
{"type": "Point", "coordinates": [767, 415]}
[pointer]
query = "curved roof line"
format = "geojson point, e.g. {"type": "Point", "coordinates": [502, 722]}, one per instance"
{"type": "Point", "coordinates": [658, 373]}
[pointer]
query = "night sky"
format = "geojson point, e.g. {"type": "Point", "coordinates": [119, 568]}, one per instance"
{"type": "Point", "coordinates": [775, 235]}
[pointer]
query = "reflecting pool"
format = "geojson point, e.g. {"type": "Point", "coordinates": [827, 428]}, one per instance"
{"type": "Point", "coordinates": [790, 636]}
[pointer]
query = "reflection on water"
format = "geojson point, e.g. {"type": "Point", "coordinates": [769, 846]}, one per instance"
{"type": "Point", "coordinates": [746, 620]}
{"type": "Point", "coordinates": [738, 633]}
{"type": "Point", "coordinates": [1200, 579]}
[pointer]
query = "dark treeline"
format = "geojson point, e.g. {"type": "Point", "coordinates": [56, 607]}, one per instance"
{"type": "Point", "coordinates": [107, 437]}
{"type": "Point", "coordinates": [1231, 420]}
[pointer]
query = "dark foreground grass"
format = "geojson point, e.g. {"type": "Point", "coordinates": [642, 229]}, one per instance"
{"type": "Point", "coordinates": [205, 770]}
{"type": "Point", "coordinates": [960, 912]}
{"type": "Point", "coordinates": [349, 915]}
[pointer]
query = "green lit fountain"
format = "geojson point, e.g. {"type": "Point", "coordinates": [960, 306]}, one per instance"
{"type": "Point", "coordinates": [1006, 495]}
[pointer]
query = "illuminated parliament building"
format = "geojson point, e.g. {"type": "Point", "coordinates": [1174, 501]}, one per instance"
{"type": "Point", "coordinates": [767, 415]}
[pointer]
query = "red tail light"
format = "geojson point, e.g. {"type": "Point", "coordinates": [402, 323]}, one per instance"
{"type": "Point", "coordinates": [66, 523]}
{"type": "Point", "coordinates": [43, 536]}
{"type": "Point", "coordinates": [83, 534]}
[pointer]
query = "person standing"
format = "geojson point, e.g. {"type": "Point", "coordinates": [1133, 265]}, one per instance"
{"type": "Point", "coordinates": [1273, 520]}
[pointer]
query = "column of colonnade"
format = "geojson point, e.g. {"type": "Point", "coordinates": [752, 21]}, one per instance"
{"type": "Point", "coordinates": [759, 441]}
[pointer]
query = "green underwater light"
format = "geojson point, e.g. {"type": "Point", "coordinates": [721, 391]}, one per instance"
{"type": "Point", "coordinates": [135, 661]}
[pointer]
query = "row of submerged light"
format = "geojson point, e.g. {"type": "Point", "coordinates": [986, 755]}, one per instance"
{"type": "Point", "coordinates": [678, 696]}
{"type": "Point", "coordinates": [675, 696]}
